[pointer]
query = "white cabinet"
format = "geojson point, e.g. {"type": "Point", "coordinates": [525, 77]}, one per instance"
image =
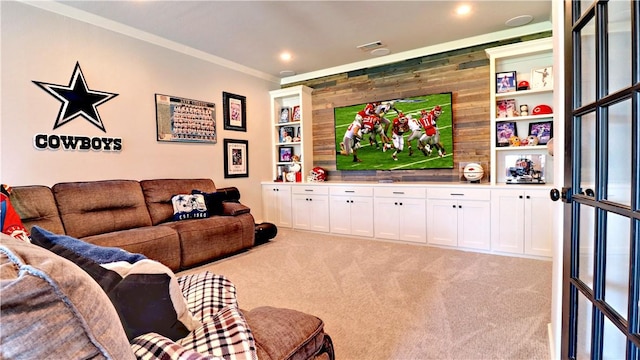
{"type": "Point", "coordinates": [521, 221]}
{"type": "Point", "coordinates": [276, 204]}
{"type": "Point", "coordinates": [400, 213]}
{"type": "Point", "coordinates": [525, 59]}
{"type": "Point", "coordinates": [291, 136]}
{"type": "Point", "coordinates": [310, 207]}
{"type": "Point", "coordinates": [351, 210]}
{"type": "Point", "coordinates": [459, 217]}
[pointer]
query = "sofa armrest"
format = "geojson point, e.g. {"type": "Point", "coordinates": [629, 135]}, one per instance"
{"type": "Point", "coordinates": [156, 346]}
{"type": "Point", "coordinates": [234, 208]}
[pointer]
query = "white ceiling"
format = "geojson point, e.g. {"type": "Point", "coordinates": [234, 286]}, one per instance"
{"type": "Point", "coordinates": [319, 34]}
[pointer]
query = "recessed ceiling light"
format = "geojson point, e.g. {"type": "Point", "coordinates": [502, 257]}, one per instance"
{"type": "Point", "coordinates": [285, 56]}
{"type": "Point", "coordinates": [463, 9]}
{"type": "Point", "coordinates": [287, 73]}
{"type": "Point", "coordinates": [519, 20]}
{"type": "Point", "coordinates": [380, 52]}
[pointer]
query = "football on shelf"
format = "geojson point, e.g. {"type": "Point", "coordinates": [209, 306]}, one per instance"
{"type": "Point", "coordinates": [473, 172]}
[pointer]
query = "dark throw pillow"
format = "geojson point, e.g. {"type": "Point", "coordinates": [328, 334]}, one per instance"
{"type": "Point", "coordinates": [145, 294]}
{"type": "Point", "coordinates": [213, 201]}
{"type": "Point", "coordinates": [99, 254]}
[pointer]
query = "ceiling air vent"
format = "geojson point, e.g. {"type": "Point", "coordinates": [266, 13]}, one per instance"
{"type": "Point", "coordinates": [370, 46]}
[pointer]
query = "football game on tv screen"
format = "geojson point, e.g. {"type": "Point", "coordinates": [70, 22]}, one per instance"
{"type": "Point", "coordinates": [401, 134]}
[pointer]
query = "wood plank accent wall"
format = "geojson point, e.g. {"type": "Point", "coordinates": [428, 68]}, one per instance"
{"type": "Point", "coordinates": [463, 72]}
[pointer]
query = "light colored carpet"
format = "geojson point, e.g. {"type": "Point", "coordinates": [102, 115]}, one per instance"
{"type": "Point", "coordinates": [385, 300]}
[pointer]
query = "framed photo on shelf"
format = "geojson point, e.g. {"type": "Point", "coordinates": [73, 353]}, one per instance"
{"type": "Point", "coordinates": [542, 78]}
{"type": "Point", "coordinates": [286, 153]}
{"type": "Point", "coordinates": [295, 115]}
{"type": "Point", "coordinates": [504, 131]}
{"type": "Point", "coordinates": [234, 111]}
{"type": "Point", "coordinates": [506, 81]}
{"type": "Point", "coordinates": [506, 108]}
{"type": "Point", "coordinates": [285, 115]}
{"type": "Point", "coordinates": [543, 130]}
{"type": "Point", "coordinates": [236, 158]}
{"type": "Point", "coordinates": [287, 133]}
{"type": "Point", "coordinates": [185, 120]}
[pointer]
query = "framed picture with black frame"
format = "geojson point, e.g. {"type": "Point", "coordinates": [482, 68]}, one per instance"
{"type": "Point", "coordinates": [504, 131]}
{"type": "Point", "coordinates": [234, 111]}
{"type": "Point", "coordinates": [286, 152]}
{"type": "Point", "coordinates": [236, 158]}
{"type": "Point", "coordinates": [543, 130]}
{"type": "Point", "coordinates": [506, 81]}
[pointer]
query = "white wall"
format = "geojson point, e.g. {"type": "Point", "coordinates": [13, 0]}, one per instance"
{"type": "Point", "coordinates": [43, 46]}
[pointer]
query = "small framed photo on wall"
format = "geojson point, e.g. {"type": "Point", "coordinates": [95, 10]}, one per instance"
{"type": "Point", "coordinates": [235, 111]}
{"type": "Point", "coordinates": [236, 158]}
{"type": "Point", "coordinates": [506, 81]}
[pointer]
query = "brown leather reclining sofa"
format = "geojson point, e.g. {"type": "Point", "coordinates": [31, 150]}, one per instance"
{"type": "Point", "coordinates": [138, 216]}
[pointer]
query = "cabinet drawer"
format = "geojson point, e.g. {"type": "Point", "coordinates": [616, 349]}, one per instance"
{"type": "Point", "coordinates": [400, 192]}
{"type": "Point", "coordinates": [318, 190]}
{"type": "Point", "coordinates": [352, 190]}
{"type": "Point", "coordinates": [459, 194]}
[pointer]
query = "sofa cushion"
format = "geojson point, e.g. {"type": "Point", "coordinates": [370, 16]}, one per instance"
{"type": "Point", "coordinates": [49, 300]}
{"type": "Point", "coordinates": [146, 294]}
{"type": "Point", "coordinates": [158, 194]}
{"type": "Point", "coordinates": [189, 206]}
{"type": "Point", "coordinates": [205, 239]}
{"type": "Point", "coordinates": [98, 207]}
{"type": "Point", "coordinates": [36, 206]}
{"type": "Point", "coordinates": [305, 333]}
{"type": "Point", "coordinates": [158, 243]}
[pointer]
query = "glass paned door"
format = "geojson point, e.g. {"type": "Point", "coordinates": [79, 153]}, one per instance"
{"type": "Point", "coordinates": [601, 290]}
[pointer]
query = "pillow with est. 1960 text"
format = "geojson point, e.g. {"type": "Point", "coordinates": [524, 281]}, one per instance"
{"type": "Point", "coordinates": [189, 206]}
{"type": "Point", "coordinates": [145, 293]}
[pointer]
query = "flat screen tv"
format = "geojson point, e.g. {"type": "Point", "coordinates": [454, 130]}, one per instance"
{"type": "Point", "coordinates": [371, 153]}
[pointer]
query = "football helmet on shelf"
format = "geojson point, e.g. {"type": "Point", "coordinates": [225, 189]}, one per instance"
{"type": "Point", "coordinates": [317, 174]}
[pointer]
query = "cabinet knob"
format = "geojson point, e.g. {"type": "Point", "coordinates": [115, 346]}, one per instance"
{"type": "Point", "coordinates": [520, 197]}
{"type": "Point", "coordinates": [400, 204]}
{"type": "Point", "coordinates": [528, 197]}
{"type": "Point", "coordinates": [395, 203]}
{"type": "Point", "coordinates": [454, 206]}
{"type": "Point", "coordinates": [459, 206]}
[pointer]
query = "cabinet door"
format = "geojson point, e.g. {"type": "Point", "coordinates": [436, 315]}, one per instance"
{"type": "Point", "coordinates": [538, 225]}
{"type": "Point", "coordinates": [319, 213]}
{"type": "Point", "coordinates": [340, 215]}
{"type": "Point", "coordinates": [386, 218]}
{"type": "Point", "coordinates": [301, 212]}
{"type": "Point", "coordinates": [362, 216]}
{"type": "Point", "coordinates": [412, 220]}
{"type": "Point", "coordinates": [474, 224]}
{"type": "Point", "coordinates": [442, 222]}
{"type": "Point", "coordinates": [276, 205]}
{"type": "Point", "coordinates": [311, 212]}
{"type": "Point", "coordinates": [507, 221]}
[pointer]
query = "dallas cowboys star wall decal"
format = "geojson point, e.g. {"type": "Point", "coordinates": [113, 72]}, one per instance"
{"type": "Point", "coordinates": [77, 101]}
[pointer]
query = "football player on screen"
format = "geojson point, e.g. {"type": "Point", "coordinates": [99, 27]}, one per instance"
{"type": "Point", "coordinates": [351, 140]}
{"type": "Point", "coordinates": [400, 125]}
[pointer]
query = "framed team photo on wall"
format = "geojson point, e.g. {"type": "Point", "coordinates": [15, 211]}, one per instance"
{"type": "Point", "coordinates": [236, 158]}
{"type": "Point", "coordinates": [185, 120]}
{"type": "Point", "coordinates": [234, 111]}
